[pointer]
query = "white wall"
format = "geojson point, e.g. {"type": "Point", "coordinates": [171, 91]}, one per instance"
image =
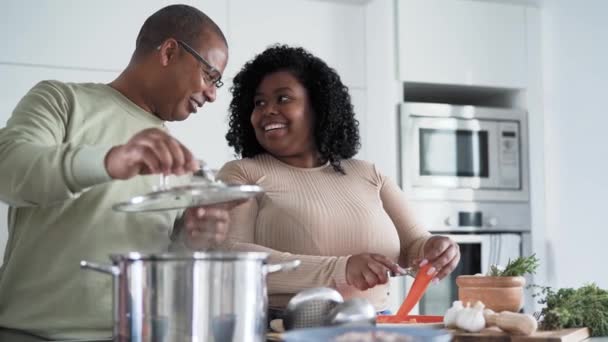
{"type": "Point", "coordinates": [383, 94]}
{"type": "Point", "coordinates": [531, 100]}
{"type": "Point", "coordinates": [575, 76]}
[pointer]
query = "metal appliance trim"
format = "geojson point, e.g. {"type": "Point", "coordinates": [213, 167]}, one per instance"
{"type": "Point", "coordinates": [445, 110]}
{"type": "Point", "coordinates": [479, 231]}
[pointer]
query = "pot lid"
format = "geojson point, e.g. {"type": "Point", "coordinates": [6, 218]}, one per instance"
{"type": "Point", "coordinates": [189, 195]}
{"type": "Point", "coordinates": [181, 256]}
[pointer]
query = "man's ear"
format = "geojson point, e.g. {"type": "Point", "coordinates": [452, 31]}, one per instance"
{"type": "Point", "coordinates": [167, 51]}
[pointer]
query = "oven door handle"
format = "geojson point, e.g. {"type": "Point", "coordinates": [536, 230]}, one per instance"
{"type": "Point", "coordinates": [468, 238]}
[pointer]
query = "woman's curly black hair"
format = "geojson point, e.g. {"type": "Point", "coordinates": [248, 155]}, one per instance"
{"type": "Point", "coordinates": [336, 131]}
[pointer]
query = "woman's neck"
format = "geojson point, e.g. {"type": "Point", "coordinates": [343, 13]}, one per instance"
{"type": "Point", "coordinates": [306, 161]}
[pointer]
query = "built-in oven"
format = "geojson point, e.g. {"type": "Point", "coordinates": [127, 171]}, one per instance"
{"type": "Point", "coordinates": [478, 253]}
{"type": "Point", "coordinates": [452, 152]}
{"type": "Point", "coordinates": [488, 233]}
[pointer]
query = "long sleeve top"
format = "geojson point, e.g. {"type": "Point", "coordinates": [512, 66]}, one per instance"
{"type": "Point", "coordinates": [321, 217]}
{"type": "Point", "coordinates": [52, 175]}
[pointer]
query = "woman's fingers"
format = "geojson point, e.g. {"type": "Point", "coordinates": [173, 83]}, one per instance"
{"type": "Point", "coordinates": [388, 263]}
{"type": "Point", "coordinates": [443, 254]}
{"type": "Point", "coordinates": [379, 271]}
{"type": "Point", "coordinates": [435, 246]}
{"type": "Point", "coordinates": [371, 279]}
{"type": "Point", "coordinates": [447, 262]}
{"type": "Point", "coordinates": [367, 270]}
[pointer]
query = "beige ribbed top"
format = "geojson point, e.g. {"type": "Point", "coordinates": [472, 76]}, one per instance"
{"type": "Point", "coordinates": [321, 217]}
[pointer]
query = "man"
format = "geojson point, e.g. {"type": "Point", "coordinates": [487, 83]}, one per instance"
{"type": "Point", "coordinates": [71, 151]}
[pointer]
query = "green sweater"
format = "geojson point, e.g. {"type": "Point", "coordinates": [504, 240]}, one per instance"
{"type": "Point", "coordinates": [52, 175]}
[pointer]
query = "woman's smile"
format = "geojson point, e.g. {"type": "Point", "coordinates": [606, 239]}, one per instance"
{"type": "Point", "coordinates": [274, 126]}
{"type": "Point", "coordinates": [275, 130]}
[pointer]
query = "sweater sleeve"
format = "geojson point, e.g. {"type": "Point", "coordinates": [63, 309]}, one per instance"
{"type": "Point", "coordinates": [38, 165]}
{"type": "Point", "coordinates": [313, 270]}
{"type": "Point", "coordinates": [411, 236]}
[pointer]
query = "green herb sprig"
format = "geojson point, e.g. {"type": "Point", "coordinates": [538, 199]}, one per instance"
{"type": "Point", "coordinates": [518, 267]}
{"type": "Point", "coordinates": [586, 306]}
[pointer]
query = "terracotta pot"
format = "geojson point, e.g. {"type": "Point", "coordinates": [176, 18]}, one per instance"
{"type": "Point", "coordinates": [496, 293]}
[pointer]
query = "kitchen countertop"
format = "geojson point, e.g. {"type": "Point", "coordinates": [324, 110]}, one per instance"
{"type": "Point", "coordinates": [18, 336]}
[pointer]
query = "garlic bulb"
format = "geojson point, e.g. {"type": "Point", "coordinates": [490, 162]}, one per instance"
{"type": "Point", "coordinates": [471, 319]}
{"type": "Point", "coordinates": [449, 319]}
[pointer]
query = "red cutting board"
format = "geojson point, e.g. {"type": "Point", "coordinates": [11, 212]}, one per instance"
{"type": "Point", "coordinates": [497, 335]}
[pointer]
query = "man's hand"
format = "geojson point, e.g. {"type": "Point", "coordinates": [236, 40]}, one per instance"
{"type": "Point", "coordinates": [150, 151]}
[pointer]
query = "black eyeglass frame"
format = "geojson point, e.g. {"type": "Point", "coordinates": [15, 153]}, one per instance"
{"type": "Point", "coordinates": [214, 74]}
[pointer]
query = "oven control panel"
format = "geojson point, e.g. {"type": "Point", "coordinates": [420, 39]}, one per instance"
{"type": "Point", "coordinates": [508, 155]}
{"type": "Point", "coordinates": [447, 216]}
{"type": "Point", "coordinates": [472, 219]}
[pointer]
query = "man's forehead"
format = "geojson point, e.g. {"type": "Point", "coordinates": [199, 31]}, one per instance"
{"type": "Point", "coordinates": [211, 38]}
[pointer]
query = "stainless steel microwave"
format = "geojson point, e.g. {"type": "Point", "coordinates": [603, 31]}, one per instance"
{"type": "Point", "coordinates": [452, 152]}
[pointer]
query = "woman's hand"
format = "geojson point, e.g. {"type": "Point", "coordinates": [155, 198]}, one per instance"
{"type": "Point", "coordinates": [205, 226]}
{"type": "Point", "coordinates": [443, 254]}
{"type": "Point", "coordinates": [367, 270]}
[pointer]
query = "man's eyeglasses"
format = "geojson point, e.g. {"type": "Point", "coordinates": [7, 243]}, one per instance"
{"type": "Point", "coordinates": [210, 73]}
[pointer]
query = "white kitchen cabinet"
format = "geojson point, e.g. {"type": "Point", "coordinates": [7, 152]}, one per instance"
{"type": "Point", "coordinates": [81, 34]}
{"type": "Point", "coordinates": [462, 42]}
{"type": "Point", "coordinates": [333, 31]}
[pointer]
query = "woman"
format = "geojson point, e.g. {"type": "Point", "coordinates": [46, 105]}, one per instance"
{"type": "Point", "coordinates": [292, 122]}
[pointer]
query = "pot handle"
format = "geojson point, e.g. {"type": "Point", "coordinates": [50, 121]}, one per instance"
{"type": "Point", "coordinates": [111, 270]}
{"type": "Point", "coordinates": [284, 266]}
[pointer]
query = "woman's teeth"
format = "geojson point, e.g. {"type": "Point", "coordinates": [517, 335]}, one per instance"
{"type": "Point", "coordinates": [274, 126]}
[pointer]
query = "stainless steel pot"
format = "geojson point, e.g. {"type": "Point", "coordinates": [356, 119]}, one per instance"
{"type": "Point", "coordinates": [214, 296]}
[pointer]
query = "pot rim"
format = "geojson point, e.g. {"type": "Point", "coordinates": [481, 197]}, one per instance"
{"type": "Point", "coordinates": [188, 256]}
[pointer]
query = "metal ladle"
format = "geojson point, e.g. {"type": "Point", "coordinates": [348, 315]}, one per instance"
{"type": "Point", "coordinates": [310, 308]}
{"type": "Point", "coordinates": [353, 312]}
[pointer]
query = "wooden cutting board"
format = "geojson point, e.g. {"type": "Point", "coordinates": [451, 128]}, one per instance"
{"type": "Point", "coordinates": [497, 335]}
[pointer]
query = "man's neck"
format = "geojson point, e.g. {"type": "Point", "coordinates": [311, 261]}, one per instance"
{"type": "Point", "coordinates": [133, 87]}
